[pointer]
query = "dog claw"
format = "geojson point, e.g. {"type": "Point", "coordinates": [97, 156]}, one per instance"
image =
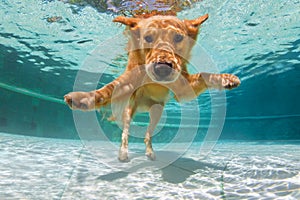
{"type": "Point", "coordinates": [230, 81]}
{"type": "Point", "coordinates": [68, 99]}
{"type": "Point", "coordinates": [101, 100]}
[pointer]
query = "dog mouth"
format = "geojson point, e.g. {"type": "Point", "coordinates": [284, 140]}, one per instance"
{"type": "Point", "coordinates": [163, 72]}
{"type": "Point", "coordinates": [162, 69]}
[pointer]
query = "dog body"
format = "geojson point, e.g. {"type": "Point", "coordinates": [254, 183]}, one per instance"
{"type": "Point", "coordinates": [159, 48]}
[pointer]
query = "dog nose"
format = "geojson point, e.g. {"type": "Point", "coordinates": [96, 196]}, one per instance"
{"type": "Point", "coordinates": [162, 70]}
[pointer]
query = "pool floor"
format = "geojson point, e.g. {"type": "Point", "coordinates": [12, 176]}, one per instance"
{"type": "Point", "coordinates": [40, 168]}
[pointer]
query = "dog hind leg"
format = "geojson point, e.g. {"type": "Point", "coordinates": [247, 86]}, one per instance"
{"type": "Point", "coordinates": [155, 113]}
{"type": "Point", "coordinates": [127, 116]}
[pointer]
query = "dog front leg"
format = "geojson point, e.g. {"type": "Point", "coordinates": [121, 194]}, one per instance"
{"type": "Point", "coordinates": [121, 87]}
{"type": "Point", "coordinates": [155, 113]}
{"type": "Point", "coordinates": [127, 116]}
{"type": "Point", "coordinates": [87, 101]}
{"type": "Point", "coordinates": [202, 81]}
{"type": "Point", "coordinates": [220, 81]}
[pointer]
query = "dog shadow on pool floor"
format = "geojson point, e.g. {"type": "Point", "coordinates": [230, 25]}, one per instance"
{"type": "Point", "coordinates": [175, 172]}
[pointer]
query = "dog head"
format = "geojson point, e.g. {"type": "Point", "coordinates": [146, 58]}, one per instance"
{"type": "Point", "coordinates": [162, 43]}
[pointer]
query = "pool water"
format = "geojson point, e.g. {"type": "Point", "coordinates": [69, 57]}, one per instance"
{"type": "Point", "coordinates": [242, 143]}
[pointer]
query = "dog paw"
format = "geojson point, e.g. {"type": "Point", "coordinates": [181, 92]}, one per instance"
{"type": "Point", "coordinates": [230, 81]}
{"type": "Point", "coordinates": [123, 155]}
{"type": "Point", "coordinates": [83, 100]}
{"type": "Point", "coordinates": [151, 155]}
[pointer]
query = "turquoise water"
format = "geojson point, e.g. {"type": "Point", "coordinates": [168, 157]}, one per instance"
{"type": "Point", "coordinates": [259, 42]}
{"type": "Point", "coordinates": [256, 124]}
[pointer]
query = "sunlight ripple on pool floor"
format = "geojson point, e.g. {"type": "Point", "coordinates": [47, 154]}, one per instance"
{"type": "Point", "coordinates": [64, 169]}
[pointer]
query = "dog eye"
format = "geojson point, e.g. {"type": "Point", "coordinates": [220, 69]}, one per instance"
{"type": "Point", "coordinates": [148, 38]}
{"type": "Point", "coordinates": [178, 38]}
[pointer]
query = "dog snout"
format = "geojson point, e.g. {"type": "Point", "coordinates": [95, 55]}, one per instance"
{"type": "Point", "coordinates": [165, 47]}
{"type": "Point", "coordinates": [163, 70]}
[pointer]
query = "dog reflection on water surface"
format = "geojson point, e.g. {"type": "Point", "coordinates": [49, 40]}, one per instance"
{"type": "Point", "coordinates": [159, 48]}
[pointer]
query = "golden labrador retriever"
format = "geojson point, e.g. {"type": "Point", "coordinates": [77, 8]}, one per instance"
{"type": "Point", "coordinates": [159, 48]}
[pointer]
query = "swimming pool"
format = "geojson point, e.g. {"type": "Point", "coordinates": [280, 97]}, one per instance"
{"type": "Point", "coordinates": [256, 125]}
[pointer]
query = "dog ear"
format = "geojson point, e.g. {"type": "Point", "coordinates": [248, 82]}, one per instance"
{"type": "Point", "coordinates": [131, 22]}
{"type": "Point", "coordinates": [194, 24]}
